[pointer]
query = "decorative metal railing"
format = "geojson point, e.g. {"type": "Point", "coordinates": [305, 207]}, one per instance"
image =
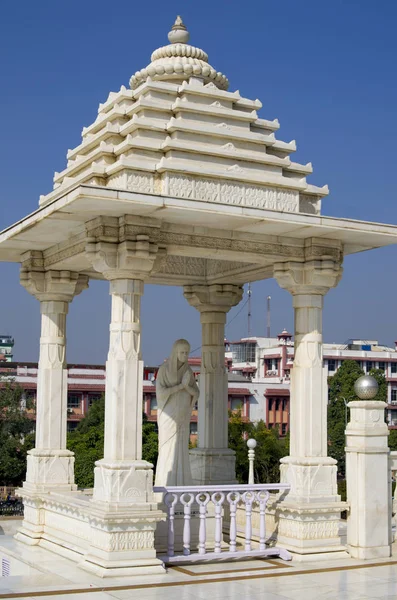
{"type": "Point", "coordinates": [213, 503]}
{"type": "Point", "coordinates": [13, 508]}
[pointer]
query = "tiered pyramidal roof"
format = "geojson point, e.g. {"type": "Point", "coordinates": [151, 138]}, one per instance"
{"type": "Point", "coordinates": [178, 132]}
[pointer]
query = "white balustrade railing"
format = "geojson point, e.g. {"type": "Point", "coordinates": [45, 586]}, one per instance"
{"type": "Point", "coordinates": [210, 503]}
{"type": "Point", "coordinates": [393, 478]}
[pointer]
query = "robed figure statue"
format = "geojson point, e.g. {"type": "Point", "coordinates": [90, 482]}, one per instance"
{"type": "Point", "coordinates": [177, 393]}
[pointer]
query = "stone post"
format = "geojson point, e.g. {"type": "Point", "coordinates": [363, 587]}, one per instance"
{"type": "Point", "coordinates": [123, 501]}
{"type": "Point", "coordinates": [213, 462]}
{"type": "Point", "coordinates": [50, 464]}
{"type": "Point", "coordinates": [367, 478]}
{"type": "Point", "coordinates": [310, 514]}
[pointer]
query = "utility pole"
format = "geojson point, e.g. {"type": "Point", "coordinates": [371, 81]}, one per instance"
{"type": "Point", "coordinates": [249, 309]}
{"type": "Point", "coordinates": [268, 316]}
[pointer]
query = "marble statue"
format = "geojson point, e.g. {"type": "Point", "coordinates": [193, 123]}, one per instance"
{"type": "Point", "coordinates": [177, 393]}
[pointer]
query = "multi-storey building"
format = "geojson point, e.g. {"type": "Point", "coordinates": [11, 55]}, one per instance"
{"type": "Point", "coordinates": [266, 363]}
{"type": "Point", "coordinates": [259, 379]}
{"type": "Point", "coordinates": [6, 348]}
{"type": "Point", "coordinates": [86, 383]}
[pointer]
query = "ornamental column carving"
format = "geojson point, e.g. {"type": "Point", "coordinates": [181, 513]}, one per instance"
{"type": "Point", "coordinates": [122, 476]}
{"type": "Point", "coordinates": [123, 482]}
{"type": "Point", "coordinates": [49, 464]}
{"type": "Point", "coordinates": [310, 514]}
{"type": "Point", "coordinates": [308, 283]}
{"type": "Point", "coordinates": [212, 461]}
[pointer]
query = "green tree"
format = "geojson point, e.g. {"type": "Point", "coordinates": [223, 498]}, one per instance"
{"type": "Point", "coordinates": [16, 436]}
{"type": "Point", "coordinates": [393, 440]}
{"type": "Point", "coordinates": [270, 448]}
{"type": "Point", "coordinates": [87, 442]}
{"type": "Point", "coordinates": [340, 390]}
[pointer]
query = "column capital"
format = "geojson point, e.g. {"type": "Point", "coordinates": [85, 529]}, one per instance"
{"type": "Point", "coordinates": [213, 298]}
{"type": "Point", "coordinates": [313, 277]}
{"type": "Point", "coordinates": [125, 260]}
{"type": "Point", "coordinates": [49, 286]}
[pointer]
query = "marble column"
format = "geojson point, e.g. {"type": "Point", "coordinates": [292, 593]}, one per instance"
{"type": "Point", "coordinates": [212, 462]}
{"type": "Point", "coordinates": [309, 519]}
{"type": "Point", "coordinates": [50, 465]}
{"type": "Point", "coordinates": [126, 511]}
{"type": "Point", "coordinates": [368, 478]}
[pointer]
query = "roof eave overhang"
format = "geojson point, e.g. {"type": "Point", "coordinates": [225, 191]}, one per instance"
{"type": "Point", "coordinates": [67, 214]}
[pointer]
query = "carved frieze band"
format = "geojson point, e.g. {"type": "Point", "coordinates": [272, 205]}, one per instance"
{"type": "Point", "coordinates": [124, 229]}
{"type": "Point", "coordinates": [228, 192]}
{"type": "Point", "coordinates": [208, 190]}
{"type": "Point", "coordinates": [192, 266]}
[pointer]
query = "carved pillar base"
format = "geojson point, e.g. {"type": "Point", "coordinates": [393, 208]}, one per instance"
{"type": "Point", "coordinates": [308, 521]}
{"type": "Point", "coordinates": [124, 482]}
{"type": "Point", "coordinates": [49, 470]}
{"type": "Point", "coordinates": [122, 541]}
{"type": "Point", "coordinates": [212, 466]}
{"type": "Point", "coordinates": [311, 479]}
{"type": "Point", "coordinates": [310, 531]}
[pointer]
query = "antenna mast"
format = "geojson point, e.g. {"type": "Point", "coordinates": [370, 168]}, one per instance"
{"type": "Point", "coordinates": [249, 309]}
{"type": "Point", "coordinates": [268, 316]}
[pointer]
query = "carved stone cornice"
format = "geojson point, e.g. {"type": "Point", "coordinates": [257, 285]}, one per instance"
{"type": "Point", "coordinates": [310, 277]}
{"type": "Point", "coordinates": [53, 285]}
{"type": "Point", "coordinates": [126, 260]}
{"type": "Point", "coordinates": [213, 298]}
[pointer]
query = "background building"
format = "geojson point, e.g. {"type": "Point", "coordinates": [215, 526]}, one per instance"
{"type": "Point", "coordinates": [258, 374]}
{"type": "Point", "coordinates": [6, 348]}
{"type": "Point", "coordinates": [266, 365]}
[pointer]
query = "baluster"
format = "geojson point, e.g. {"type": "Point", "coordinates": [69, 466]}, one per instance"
{"type": "Point", "coordinates": [233, 498]}
{"type": "Point", "coordinates": [262, 498]}
{"type": "Point", "coordinates": [218, 499]}
{"type": "Point", "coordinates": [248, 498]}
{"type": "Point", "coordinates": [186, 524]}
{"type": "Point", "coordinates": [170, 500]}
{"type": "Point", "coordinates": [202, 500]}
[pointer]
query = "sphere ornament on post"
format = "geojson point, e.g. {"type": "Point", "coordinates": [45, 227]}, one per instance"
{"type": "Point", "coordinates": [251, 443]}
{"type": "Point", "coordinates": [366, 387]}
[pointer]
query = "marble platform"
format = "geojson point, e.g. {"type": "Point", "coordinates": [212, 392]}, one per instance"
{"type": "Point", "coordinates": [42, 574]}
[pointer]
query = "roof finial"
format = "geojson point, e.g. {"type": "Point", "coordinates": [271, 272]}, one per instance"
{"type": "Point", "coordinates": [178, 34]}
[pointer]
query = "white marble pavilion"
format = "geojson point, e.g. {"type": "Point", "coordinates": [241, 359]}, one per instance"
{"type": "Point", "coordinates": [177, 182]}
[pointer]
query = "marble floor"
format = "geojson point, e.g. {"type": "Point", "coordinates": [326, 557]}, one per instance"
{"type": "Point", "coordinates": [48, 576]}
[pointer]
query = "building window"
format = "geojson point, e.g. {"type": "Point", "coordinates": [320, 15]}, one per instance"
{"type": "Point", "coordinates": [193, 428]}
{"type": "Point", "coordinates": [331, 364]}
{"type": "Point", "coordinates": [382, 365]}
{"type": "Point", "coordinates": [153, 403]}
{"type": "Point", "coordinates": [72, 425]}
{"type": "Point", "coordinates": [236, 403]}
{"type": "Point", "coordinates": [74, 400]}
{"type": "Point", "coordinates": [394, 367]}
{"type": "Point", "coordinates": [394, 395]}
{"type": "Point", "coordinates": [284, 429]}
{"type": "Point", "coordinates": [285, 404]}
{"type": "Point", "coordinates": [369, 366]}
{"type": "Point", "coordinates": [244, 352]}
{"type": "Point", "coordinates": [278, 403]}
{"type": "Point", "coordinates": [93, 398]}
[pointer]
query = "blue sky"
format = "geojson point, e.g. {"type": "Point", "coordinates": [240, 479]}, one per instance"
{"type": "Point", "coordinates": [326, 70]}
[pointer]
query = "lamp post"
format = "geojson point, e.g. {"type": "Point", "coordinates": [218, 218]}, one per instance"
{"type": "Point", "coordinates": [251, 443]}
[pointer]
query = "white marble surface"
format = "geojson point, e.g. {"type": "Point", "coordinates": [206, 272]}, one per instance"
{"type": "Point", "coordinates": [347, 579]}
